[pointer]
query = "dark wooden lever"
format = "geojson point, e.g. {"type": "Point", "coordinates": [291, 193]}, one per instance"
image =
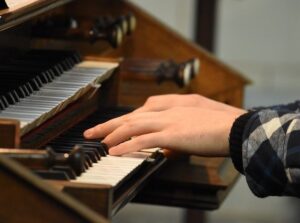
{"type": "Point", "coordinates": [127, 22]}
{"type": "Point", "coordinates": [104, 28]}
{"type": "Point", "coordinates": [46, 159]}
{"type": "Point", "coordinates": [160, 70]}
{"type": "Point", "coordinates": [113, 35]}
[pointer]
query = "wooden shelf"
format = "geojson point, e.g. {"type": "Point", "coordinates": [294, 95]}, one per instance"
{"type": "Point", "coordinates": [23, 12]}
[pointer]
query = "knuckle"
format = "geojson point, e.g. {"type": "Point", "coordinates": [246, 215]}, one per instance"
{"type": "Point", "coordinates": [177, 109]}
{"type": "Point", "coordinates": [139, 141]}
{"type": "Point", "coordinates": [149, 100]}
{"type": "Point", "coordinates": [130, 124]}
{"type": "Point", "coordinates": [125, 118]}
{"type": "Point", "coordinates": [195, 97]}
{"type": "Point", "coordinates": [109, 137]}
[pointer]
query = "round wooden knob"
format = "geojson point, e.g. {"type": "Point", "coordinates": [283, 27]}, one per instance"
{"type": "Point", "coordinates": [195, 62]}
{"type": "Point", "coordinates": [131, 21]}
{"type": "Point", "coordinates": [186, 74]}
{"type": "Point", "coordinates": [76, 160]}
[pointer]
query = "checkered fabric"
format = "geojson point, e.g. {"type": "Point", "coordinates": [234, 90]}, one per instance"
{"type": "Point", "coordinates": [265, 147]}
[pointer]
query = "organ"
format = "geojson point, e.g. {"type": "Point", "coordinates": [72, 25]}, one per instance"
{"type": "Point", "coordinates": [66, 65]}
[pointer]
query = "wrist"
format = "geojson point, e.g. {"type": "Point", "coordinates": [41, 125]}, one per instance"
{"type": "Point", "coordinates": [236, 140]}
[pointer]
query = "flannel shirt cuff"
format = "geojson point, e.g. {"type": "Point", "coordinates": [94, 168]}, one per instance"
{"type": "Point", "coordinates": [236, 140]}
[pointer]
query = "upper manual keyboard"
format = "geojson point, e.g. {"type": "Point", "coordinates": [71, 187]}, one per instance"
{"type": "Point", "coordinates": [40, 83]}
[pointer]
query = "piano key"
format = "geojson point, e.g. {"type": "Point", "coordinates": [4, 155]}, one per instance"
{"type": "Point", "coordinates": [88, 160]}
{"type": "Point", "coordinates": [28, 85]}
{"type": "Point", "coordinates": [34, 104]}
{"type": "Point", "coordinates": [57, 85]}
{"type": "Point", "coordinates": [10, 98]}
{"type": "Point", "coordinates": [26, 109]}
{"type": "Point", "coordinates": [2, 105]}
{"type": "Point", "coordinates": [52, 174]}
{"type": "Point", "coordinates": [26, 91]}
{"type": "Point", "coordinates": [16, 95]}
{"type": "Point", "coordinates": [37, 99]}
{"type": "Point", "coordinates": [19, 116]}
{"type": "Point", "coordinates": [55, 99]}
{"type": "Point", "coordinates": [21, 92]}
{"type": "Point", "coordinates": [4, 101]}
{"type": "Point", "coordinates": [67, 170]}
{"type": "Point", "coordinates": [53, 93]}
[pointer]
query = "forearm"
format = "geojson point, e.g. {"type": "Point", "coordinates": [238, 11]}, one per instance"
{"type": "Point", "coordinates": [264, 146]}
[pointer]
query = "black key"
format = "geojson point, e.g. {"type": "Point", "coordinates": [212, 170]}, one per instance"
{"type": "Point", "coordinates": [21, 92]}
{"type": "Point", "coordinates": [4, 101]}
{"type": "Point", "coordinates": [67, 170]}
{"type": "Point", "coordinates": [104, 149]}
{"type": "Point", "coordinates": [10, 98]}
{"type": "Point", "coordinates": [2, 105]}
{"type": "Point", "coordinates": [52, 174]}
{"type": "Point", "coordinates": [29, 87]}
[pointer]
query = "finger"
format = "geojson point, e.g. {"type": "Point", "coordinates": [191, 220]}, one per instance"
{"type": "Point", "coordinates": [102, 130]}
{"type": "Point", "coordinates": [132, 129]}
{"type": "Point", "coordinates": [146, 141]}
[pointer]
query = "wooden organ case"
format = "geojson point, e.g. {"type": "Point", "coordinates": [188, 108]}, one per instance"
{"type": "Point", "coordinates": [190, 182]}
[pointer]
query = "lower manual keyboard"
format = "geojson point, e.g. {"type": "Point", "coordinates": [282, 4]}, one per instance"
{"type": "Point", "coordinates": [108, 182]}
{"type": "Point", "coordinates": [102, 168]}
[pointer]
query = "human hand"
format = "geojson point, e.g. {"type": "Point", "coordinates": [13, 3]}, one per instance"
{"type": "Point", "coordinates": [164, 102]}
{"type": "Point", "coordinates": [192, 130]}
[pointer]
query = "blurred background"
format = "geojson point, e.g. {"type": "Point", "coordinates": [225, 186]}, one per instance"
{"type": "Point", "coordinates": [259, 38]}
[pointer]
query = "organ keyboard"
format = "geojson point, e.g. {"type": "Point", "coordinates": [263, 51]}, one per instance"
{"type": "Point", "coordinates": [104, 169]}
{"type": "Point", "coordinates": [46, 88]}
{"type": "Point", "coordinates": [56, 94]}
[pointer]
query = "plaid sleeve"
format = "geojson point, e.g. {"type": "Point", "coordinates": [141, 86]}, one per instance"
{"type": "Point", "coordinates": [269, 152]}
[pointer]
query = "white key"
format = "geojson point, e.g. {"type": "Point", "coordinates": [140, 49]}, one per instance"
{"type": "Point", "coordinates": [112, 169]}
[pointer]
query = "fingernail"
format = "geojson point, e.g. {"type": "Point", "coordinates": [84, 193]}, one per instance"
{"type": "Point", "coordinates": [112, 152]}
{"type": "Point", "coordinates": [88, 133]}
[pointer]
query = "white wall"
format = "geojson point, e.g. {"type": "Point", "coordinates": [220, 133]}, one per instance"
{"type": "Point", "coordinates": [178, 14]}
{"type": "Point", "coordinates": [259, 30]}
{"type": "Point", "coordinates": [261, 38]}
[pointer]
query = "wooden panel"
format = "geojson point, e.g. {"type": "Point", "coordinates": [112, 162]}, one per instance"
{"type": "Point", "coordinates": [23, 12]}
{"type": "Point", "coordinates": [10, 133]}
{"type": "Point", "coordinates": [197, 182]}
{"type": "Point", "coordinates": [135, 93]}
{"type": "Point", "coordinates": [97, 197]}
{"type": "Point", "coordinates": [151, 39]}
{"type": "Point", "coordinates": [232, 97]}
{"type": "Point", "coordinates": [26, 198]}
